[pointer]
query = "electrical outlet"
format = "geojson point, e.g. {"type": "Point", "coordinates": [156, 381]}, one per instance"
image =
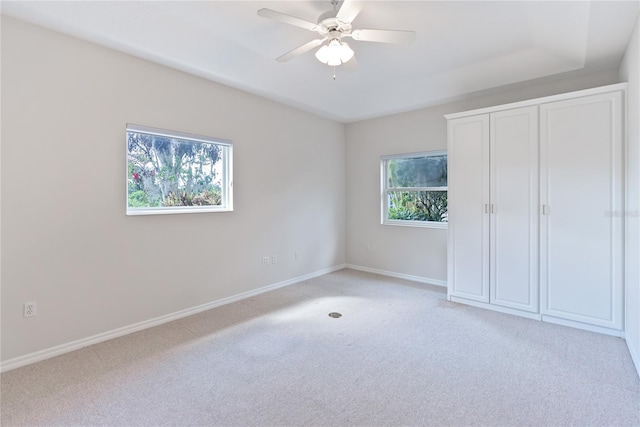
{"type": "Point", "coordinates": [265, 261]}
{"type": "Point", "coordinates": [30, 309]}
{"type": "Point", "coordinates": [274, 259]}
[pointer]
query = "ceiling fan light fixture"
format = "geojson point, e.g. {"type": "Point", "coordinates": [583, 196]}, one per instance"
{"type": "Point", "coordinates": [323, 54]}
{"type": "Point", "coordinates": [334, 53]}
{"type": "Point", "coordinates": [334, 62]}
{"type": "Point", "coordinates": [346, 53]}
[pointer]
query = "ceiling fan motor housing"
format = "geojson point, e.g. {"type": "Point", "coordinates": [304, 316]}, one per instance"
{"type": "Point", "coordinates": [328, 23]}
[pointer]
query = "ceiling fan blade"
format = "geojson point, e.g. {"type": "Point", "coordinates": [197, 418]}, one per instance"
{"type": "Point", "coordinates": [384, 36]}
{"type": "Point", "coordinates": [287, 19]}
{"type": "Point", "coordinates": [300, 50]}
{"type": "Point", "coordinates": [348, 11]}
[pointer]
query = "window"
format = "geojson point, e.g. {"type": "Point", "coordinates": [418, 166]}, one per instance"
{"type": "Point", "coordinates": [174, 172]}
{"type": "Point", "coordinates": [414, 189]}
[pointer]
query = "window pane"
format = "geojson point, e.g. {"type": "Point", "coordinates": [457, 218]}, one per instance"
{"type": "Point", "coordinates": [417, 205]}
{"type": "Point", "coordinates": [169, 172]}
{"type": "Point", "coordinates": [426, 171]}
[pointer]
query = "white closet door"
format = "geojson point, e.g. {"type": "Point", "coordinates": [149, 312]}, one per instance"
{"type": "Point", "coordinates": [514, 209]}
{"type": "Point", "coordinates": [468, 200]}
{"type": "Point", "coordinates": [581, 226]}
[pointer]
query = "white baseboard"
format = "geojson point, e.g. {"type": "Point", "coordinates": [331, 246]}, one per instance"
{"type": "Point", "coordinates": [493, 307]}
{"type": "Point", "coordinates": [635, 356]}
{"type": "Point", "coordinates": [539, 317]}
{"type": "Point", "coordinates": [50, 352]}
{"type": "Point", "coordinates": [583, 326]}
{"type": "Point", "coordinates": [428, 281]}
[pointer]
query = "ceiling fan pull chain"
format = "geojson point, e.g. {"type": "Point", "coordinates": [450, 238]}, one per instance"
{"type": "Point", "coordinates": [334, 72]}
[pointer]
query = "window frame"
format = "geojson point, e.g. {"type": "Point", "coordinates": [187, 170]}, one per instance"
{"type": "Point", "coordinates": [385, 190]}
{"type": "Point", "coordinates": [226, 184]}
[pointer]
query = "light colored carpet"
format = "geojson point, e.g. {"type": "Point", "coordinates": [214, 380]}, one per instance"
{"type": "Point", "coordinates": [400, 355]}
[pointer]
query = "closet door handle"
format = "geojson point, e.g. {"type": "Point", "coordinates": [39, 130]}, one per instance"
{"type": "Point", "coordinates": [493, 208]}
{"type": "Point", "coordinates": [545, 210]}
{"type": "Point", "coordinates": [486, 208]}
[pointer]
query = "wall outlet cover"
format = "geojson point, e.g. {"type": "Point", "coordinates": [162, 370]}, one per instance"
{"type": "Point", "coordinates": [30, 309]}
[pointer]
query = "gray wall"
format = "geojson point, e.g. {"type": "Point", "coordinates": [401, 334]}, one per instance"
{"type": "Point", "coordinates": [66, 242]}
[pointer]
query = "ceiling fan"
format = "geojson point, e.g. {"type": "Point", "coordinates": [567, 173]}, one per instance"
{"type": "Point", "coordinates": [333, 26]}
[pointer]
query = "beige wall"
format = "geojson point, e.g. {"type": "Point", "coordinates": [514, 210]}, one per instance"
{"type": "Point", "coordinates": [418, 252]}
{"type": "Point", "coordinates": [66, 241]}
{"type": "Point", "coordinates": [630, 72]}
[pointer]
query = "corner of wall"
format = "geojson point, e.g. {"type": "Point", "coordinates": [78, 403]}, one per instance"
{"type": "Point", "coordinates": [630, 72]}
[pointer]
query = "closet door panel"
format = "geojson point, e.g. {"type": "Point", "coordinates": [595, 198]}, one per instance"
{"type": "Point", "coordinates": [468, 186]}
{"type": "Point", "coordinates": [581, 188]}
{"type": "Point", "coordinates": [514, 209]}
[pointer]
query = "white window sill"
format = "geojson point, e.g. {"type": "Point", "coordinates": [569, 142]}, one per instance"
{"type": "Point", "coordinates": [419, 224]}
{"type": "Point", "coordinates": [176, 210]}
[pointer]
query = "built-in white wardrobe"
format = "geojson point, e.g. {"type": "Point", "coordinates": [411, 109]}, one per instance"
{"type": "Point", "coordinates": [536, 208]}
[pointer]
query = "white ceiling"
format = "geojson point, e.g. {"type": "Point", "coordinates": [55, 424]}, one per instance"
{"type": "Point", "coordinates": [461, 47]}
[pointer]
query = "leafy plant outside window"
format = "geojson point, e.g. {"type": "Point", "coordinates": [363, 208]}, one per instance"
{"type": "Point", "coordinates": [172, 172]}
{"type": "Point", "coordinates": [415, 189]}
